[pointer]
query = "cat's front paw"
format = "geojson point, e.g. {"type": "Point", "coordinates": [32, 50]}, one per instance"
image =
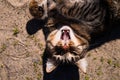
{"type": "Point", "coordinates": [35, 10]}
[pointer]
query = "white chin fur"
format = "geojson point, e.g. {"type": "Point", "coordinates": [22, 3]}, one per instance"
{"type": "Point", "coordinates": [82, 65]}
{"type": "Point", "coordinates": [50, 66]}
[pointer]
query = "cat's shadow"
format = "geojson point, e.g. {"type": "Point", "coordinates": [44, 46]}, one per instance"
{"type": "Point", "coordinates": [111, 34]}
{"type": "Point", "coordinates": [70, 72]}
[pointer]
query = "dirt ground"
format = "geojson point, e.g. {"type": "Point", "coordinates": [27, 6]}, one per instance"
{"type": "Point", "coordinates": [20, 53]}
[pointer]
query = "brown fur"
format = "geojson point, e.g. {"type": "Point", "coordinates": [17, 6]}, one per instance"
{"type": "Point", "coordinates": [35, 10]}
{"type": "Point", "coordinates": [81, 29]}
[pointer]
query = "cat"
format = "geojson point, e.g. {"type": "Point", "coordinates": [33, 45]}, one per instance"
{"type": "Point", "coordinates": [70, 26]}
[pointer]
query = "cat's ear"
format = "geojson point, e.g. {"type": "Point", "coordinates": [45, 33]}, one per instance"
{"type": "Point", "coordinates": [82, 65]}
{"type": "Point", "coordinates": [50, 66]}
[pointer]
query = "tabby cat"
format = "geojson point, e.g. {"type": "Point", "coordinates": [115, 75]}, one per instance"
{"type": "Point", "coordinates": [80, 20]}
{"type": "Point", "coordinates": [90, 12]}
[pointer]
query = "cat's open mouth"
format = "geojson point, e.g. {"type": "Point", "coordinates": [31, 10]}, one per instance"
{"type": "Point", "coordinates": [65, 37]}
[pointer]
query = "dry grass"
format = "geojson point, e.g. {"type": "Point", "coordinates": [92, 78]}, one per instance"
{"type": "Point", "coordinates": [20, 53]}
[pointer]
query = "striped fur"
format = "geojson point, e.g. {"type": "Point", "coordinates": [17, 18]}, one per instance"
{"type": "Point", "coordinates": [83, 19]}
{"type": "Point", "coordinates": [90, 12]}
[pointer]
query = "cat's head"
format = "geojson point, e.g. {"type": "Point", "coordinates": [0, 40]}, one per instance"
{"type": "Point", "coordinates": [64, 43]}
